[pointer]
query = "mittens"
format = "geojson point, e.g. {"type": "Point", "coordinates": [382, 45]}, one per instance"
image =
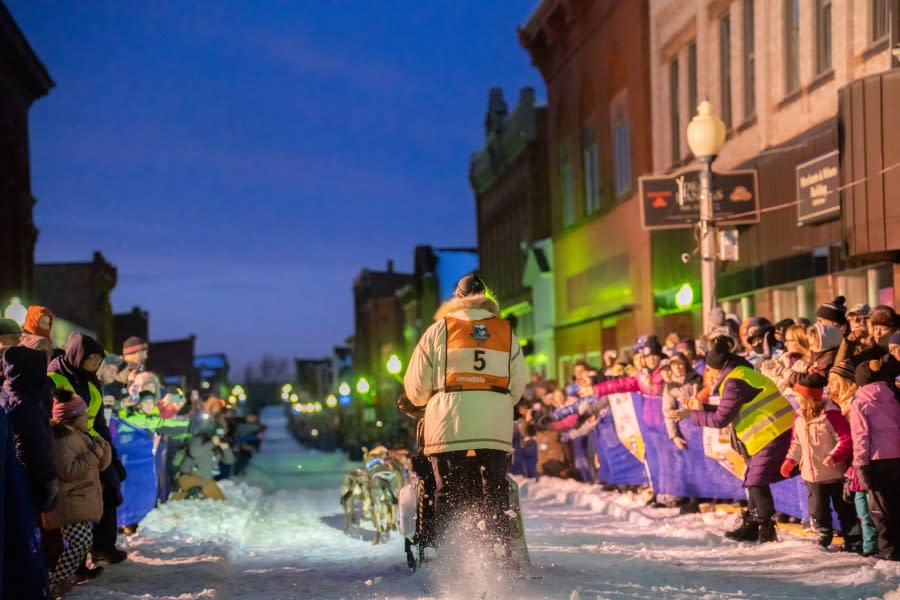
{"type": "Point", "coordinates": [787, 467]}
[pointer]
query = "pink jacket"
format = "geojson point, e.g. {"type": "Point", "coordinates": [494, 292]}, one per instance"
{"type": "Point", "coordinates": [826, 435]}
{"type": "Point", "coordinates": [875, 424]}
{"type": "Point", "coordinates": [649, 384]}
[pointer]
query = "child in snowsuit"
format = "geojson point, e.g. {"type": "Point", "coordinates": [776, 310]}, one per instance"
{"type": "Point", "coordinates": [78, 458]}
{"type": "Point", "coordinates": [821, 445]}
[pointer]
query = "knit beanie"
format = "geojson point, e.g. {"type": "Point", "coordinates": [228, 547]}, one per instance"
{"type": "Point", "coordinates": [845, 369]}
{"type": "Point", "coordinates": [895, 338]}
{"type": "Point", "coordinates": [868, 372]}
{"type": "Point", "coordinates": [134, 344]}
{"type": "Point", "coordinates": [67, 405]}
{"type": "Point", "coordinates": [884, 316]}
{"type": "Point", "coordinates": [9, 327]}
{"type": "Point", "coordinates": [835, 310]}
{"type": "Point", "coordinates": [33, 317]}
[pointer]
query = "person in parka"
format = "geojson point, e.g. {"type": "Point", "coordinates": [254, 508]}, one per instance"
{"type": "Point", "coordinates": [762, 419]}
{"type": "Point", "coordinates": [199, 461]}
{"type": "Point", "coordinates": [24, 397]}
{"type": "Point", "coordinates": [468, 371]}
{"type": "Point", "coordinates": [79, 458]}
{"type": "Point", "coordinates": [76, 370]}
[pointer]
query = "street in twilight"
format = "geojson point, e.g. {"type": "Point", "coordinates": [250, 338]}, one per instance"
{"type": "Point", "coordinates": [278, 536]}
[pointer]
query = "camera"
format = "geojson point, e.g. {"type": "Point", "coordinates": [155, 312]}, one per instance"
{"type": "Point", "coordinates": [685, 257]}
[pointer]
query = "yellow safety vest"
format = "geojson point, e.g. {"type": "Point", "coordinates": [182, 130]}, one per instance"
{"type": "Point", "coordinates": [765, 417]}
{"type": "Point", "coordinates": [96, 399]}
{"type": "Point", "coordinates": [478, 355]}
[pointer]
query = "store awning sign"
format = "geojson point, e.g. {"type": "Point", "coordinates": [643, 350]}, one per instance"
{"type": "Point", "coordinates": [818, 198]}
{"type": "Point", "coordinates": [673, 201]}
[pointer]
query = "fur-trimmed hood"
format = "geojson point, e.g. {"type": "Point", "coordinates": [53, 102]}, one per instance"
{"type": "Point", "coordinates": [468, 302]}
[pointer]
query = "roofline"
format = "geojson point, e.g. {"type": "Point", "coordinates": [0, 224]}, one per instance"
{"type": "Point", "coordinates": [41, 76]}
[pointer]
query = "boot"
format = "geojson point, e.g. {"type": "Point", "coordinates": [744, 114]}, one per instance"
{"type": "Point", "coordinates": [767, 532]}
{"type": "Point", "coordinates": [747, 532]}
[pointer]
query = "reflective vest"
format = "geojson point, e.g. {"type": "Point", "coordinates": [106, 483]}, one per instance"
{"type": "Point", "coordinates": [765, 417]}
{"type": "Point", "coordinates": [478, 355]}
{"type": "Point", "coordinates": [96, 400]}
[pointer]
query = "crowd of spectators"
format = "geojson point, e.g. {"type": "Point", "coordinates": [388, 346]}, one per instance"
{"type": "Point", "coordinates": [841, 373]}
{"type": "Point", "coordinates": [72, 421]}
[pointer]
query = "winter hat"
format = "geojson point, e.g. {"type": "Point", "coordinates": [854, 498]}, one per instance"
{"type": "Point", "coordinates": [884, 316]}
{"type": "Point", "coordinates": [859, 310]}
{"type": "Point", "coordinates": [815, 393]}
{"type": "Point", "coordinates": [32, 320]}
{"type": "Point", "coordinates": [67, 405]}
{"type": "Point", "coordinates": [9, 327]}
{"type": "Point", "coordinates": [652, 347]}
{"type": "Point", "coordinates": [134, 344]}
{"type": "Point", "coordinates": [835, 310]}
{"type": "Point", "coordinates": [868, 372]}
{"type": "Point", "coordinates": [679, 357]}
{"type": "Point", "coordinates": [758, 327]}
{"type": "Point", "coordinates": [845, 369]}
{"type": "Point", "coordinates": [894, 339]}
{"type": "Point", "coordinates": [782, 325]}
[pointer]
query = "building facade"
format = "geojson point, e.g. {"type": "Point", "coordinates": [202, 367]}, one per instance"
{"type": "Point", "coordinates": [509, 176]}
{"type": "Point", "coordinates": [593, 57]}
{"type": "Point", "coordinates": [79, 293]}
{"type": "Point", "coordinates": [773, 71]}
{"type": "Point", "coordinates": [23, 79]}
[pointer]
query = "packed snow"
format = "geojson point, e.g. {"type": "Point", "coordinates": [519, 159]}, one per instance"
{"type": "Point", "coordinates": [278, 535]}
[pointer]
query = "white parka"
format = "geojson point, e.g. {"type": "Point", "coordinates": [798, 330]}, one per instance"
{"type": "Point", "coordinates": [468, 420]}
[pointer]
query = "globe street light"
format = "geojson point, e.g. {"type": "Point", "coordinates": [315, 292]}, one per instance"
{"type": "Point", "coordinates": [16, 311]}
{"type": "Point", "coordinates": [705, 137]}
{"type": "Point", "coordinates": [362, 386]}
{"type": "Point", "coordinates": [394, 365]}
{"type": "Point", "coordinates": [344, 389]}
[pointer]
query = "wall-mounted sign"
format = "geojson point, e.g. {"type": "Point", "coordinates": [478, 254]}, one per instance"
{"type": "Point", "coordinates": [673, 201]}
{"type": "Point", "coordinates": [817, 189]}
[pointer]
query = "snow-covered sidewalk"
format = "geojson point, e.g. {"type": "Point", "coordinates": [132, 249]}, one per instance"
{"type": "Point", "coordinates": [286, 543]}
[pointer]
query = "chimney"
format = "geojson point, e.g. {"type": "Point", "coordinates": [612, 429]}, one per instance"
{"type": "Point", "coordinates": [390, 265]}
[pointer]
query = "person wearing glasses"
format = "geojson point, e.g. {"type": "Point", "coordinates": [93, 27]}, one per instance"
{"type": "Point", "coordinates": [761, 419]}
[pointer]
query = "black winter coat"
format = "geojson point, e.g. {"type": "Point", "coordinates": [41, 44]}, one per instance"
{"type": "Point", "coordinates": [24, 396]}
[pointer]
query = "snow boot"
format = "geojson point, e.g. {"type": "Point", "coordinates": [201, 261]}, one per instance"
{"type": "Point", "coordinates": [747, 532]}
{"type": "Point", "coordinates": [767, 532]}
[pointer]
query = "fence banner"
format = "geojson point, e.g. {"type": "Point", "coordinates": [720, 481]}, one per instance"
{"type": "Point", "coordinates": [135, 448]}
{"type": "Point", "coordinates": [627, 425]}
{"type": "Point", "coordinates": [717, 446]}
{"type": "Point", "coordinates": [615, 463]}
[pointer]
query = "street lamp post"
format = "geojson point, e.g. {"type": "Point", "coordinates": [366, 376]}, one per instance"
{"type": "Point", "coordinates": [705, 137]}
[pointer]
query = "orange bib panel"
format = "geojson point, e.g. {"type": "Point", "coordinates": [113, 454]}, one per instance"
{"type": "Point", "coordinates": [478, 355]}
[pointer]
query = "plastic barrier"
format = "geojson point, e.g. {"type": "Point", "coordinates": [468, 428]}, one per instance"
{"type": "Point", "coordinates": [135, 448]}
{"type": "Point", "coordinates": [633, 448]}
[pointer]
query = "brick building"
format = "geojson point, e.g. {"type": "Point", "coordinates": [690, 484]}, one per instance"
{"type": "Point", "coordinates": [594, 59]}
{"type": "Point", "coordinates": [173, 361]}
{"type": "Point", "coordinates": [79, 292]}
{"type": "Point", "coordinates": [23, 79]}
{"type": "Point", "coordinates": [775, 72]}
{"type": "Point", "coordinates": [509, 176]}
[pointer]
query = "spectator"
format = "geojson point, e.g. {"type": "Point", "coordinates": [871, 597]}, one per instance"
{"type": "Point", "coordinates": [79, 458]}
{"type": "Point", "coordinates": [135, 350]}
{"type": "Point", "coordinates": [38, 321]}
{"type": "Point", "coordinates": [24, 398]}
{"type": "Point", "coordinates": [821, 445]}
{"type": "Point", "coordinates": [76, 370]}
{"type": "Point", "coordinates": [678, 393]}
{"type": "Point", "coordinates": [875, 426]}
{"type": "Point", "coordinates": [833, 314]}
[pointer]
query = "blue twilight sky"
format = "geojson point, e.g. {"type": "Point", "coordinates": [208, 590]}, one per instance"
{"type": "Point", "coordinates": [241, 162]}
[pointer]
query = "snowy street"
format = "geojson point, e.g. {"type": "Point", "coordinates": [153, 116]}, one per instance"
{"type": "Point", "coordinates": [278, 536]}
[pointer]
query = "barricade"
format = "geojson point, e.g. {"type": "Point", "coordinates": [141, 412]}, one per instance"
{"type": "Point", "coordinates": [633, 448]}
{"type": "Point", "coordinates": [135, 448]}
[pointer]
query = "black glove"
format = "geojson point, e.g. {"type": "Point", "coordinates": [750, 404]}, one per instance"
{"type": "Point", "coordinates": [848, 494]}
{"type": "Point", "coordinates": [120, 469]}
{"type": "Point", "coordinates": [862, 475]}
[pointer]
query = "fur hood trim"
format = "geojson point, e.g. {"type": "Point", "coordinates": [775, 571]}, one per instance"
{"type": "Point", "coordinates": [468, 302]}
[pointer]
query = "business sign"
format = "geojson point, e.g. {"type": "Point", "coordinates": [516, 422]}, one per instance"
{"type": "Point", "coordinates": [818, 198]}
{"type": "Point", "coordinates": [673, 201]}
